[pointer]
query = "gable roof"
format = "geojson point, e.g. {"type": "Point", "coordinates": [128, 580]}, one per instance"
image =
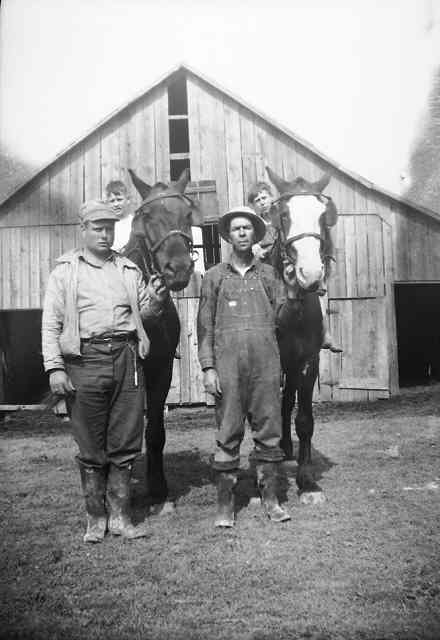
{"type": "Point", "coordinates": [184, 68]}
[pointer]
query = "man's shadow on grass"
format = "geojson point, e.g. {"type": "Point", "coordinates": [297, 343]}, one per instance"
{"type": "Point", "coordinates": [184, 471]}
{"type": "Point", "coordinates": [189, 469]}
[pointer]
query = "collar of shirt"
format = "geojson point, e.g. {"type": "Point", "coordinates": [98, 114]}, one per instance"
{"type": "Point", "coordinates": [88, 257]}
{"type": "Point", "coordinates": [252, 265]}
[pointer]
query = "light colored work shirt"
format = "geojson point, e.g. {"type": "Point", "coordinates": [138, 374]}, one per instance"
{"type": "Point", "coordinates": [102, 298]}
{"type": "Point", "coordinates": [122, 232]}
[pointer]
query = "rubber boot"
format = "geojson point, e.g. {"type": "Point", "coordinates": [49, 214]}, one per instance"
{"type": "Point", "coordinates": [118, 501]}
{"type": "Point", "coordinates": [226, 482]}
{"type": "Point", "coordinates": [267, 478]}
{"type": "Point", "coordinates": [93, 481]}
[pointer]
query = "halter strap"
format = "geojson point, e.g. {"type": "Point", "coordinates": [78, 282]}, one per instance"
{"type": "Point", "coordinates": [150, 262]}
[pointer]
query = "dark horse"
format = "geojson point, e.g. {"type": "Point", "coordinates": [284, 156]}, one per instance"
{"type": "Point", "coordinates": [161, 243]}
{"type": "Point", "coordinates": [301, 217]}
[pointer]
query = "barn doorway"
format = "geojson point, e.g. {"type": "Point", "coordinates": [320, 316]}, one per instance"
{"type": "Point", "coordinates": [418, 332]}
{"type": "Point", "coordinates": [22, 379]}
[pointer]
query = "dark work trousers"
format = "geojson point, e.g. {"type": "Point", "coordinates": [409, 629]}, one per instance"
{"type": "Point", "coordinates": [106, 409]}
{"type": "Point", "coordinates": [248, 365]}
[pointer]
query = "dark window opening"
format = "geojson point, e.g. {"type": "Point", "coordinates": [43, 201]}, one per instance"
{"type": "Point", "coordinates": [177, 97]}
{"type": "Point", "coordinates": [22, 379]}
{"type": "Point", "coordinates": [210, 245]}
{"type": "Point", "coordinates": [177, 166]}
{"type": "Point", "coordinates": [179, 136]}
{"type": "Point", "coordinates": [418, 333]}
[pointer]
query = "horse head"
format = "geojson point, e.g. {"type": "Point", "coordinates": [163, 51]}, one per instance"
{"type": "Point", "coordinates": [304, 215]}
{"type": "Point", "coordinates": [161, 230]}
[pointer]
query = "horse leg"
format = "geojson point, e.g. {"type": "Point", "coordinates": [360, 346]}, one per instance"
{"type": "Point", "coordinates": [288, 402]}
{"type": "Point", "coordinates": [157, 391]}
{"type": "Point", "coordinates": [310, 491]}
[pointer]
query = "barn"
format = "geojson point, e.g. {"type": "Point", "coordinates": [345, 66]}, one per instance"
{"type": "Point", "coordinates": [383, 298]}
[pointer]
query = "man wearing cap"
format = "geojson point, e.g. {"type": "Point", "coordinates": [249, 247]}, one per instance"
{"type": "Point", "coordinates": [239, 356]}
{"type": "Point", "coordinates": [92, 341]}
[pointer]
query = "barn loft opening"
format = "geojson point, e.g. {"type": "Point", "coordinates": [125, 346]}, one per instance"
{"type": "Point", "coordinates": [418, 332]}
{"type": "Point", "coordinates": [178, 127]}
{"type": "Point", "coordinates": [177, 166]}
{"type": "Point", "coordinates": [22, 378]}
{"type": "Point", "coordinates": [179, 136]}
{"type": "Point", "coordinates": [177, 97]}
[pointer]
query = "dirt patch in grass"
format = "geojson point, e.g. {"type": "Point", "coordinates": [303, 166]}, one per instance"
{"type": "Point", "coordinates": [364, 565]}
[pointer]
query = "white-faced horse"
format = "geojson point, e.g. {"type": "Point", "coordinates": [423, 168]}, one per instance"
{"type": "Point", "coordinates": [302, 216]}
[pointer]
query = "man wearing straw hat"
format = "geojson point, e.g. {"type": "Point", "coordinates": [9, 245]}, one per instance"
{"type": "Point", "coordinates": [239, 356]}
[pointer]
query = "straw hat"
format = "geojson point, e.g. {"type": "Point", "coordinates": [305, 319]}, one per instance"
{"type": "Point", "coordinates": [241, 212]}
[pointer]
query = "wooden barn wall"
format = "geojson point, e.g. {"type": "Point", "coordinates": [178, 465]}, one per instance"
{"type": "Point", "coordinates": [40, 223]}
{"type": "Point", "coordinates": [378, 241]}
{"type": "Point", "coordinates": [231, 144]}
{"type": "Point", "coordinates": [416, 242]}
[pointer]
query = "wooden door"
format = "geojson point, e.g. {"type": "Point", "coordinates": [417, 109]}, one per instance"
{"type": "Point", "coordinates": [360, 313]}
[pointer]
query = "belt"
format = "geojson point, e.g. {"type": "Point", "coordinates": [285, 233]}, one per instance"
{"type": "Point", "coordinates": [117, 337]}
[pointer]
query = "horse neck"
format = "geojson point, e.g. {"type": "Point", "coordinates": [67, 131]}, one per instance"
{"type": "Point", "coordinates": [135, 252]}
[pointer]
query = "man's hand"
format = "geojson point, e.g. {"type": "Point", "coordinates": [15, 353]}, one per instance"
{"type": "Point", "coordinates": [157, 290]}
{"type": "Point", "coordinates": [60, 383]}
{"type": "Point", "coordinates": [211, 382]}
{"type": "Point", "coordinates": [259, 252]}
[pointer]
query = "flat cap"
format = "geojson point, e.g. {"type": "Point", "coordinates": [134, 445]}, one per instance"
{"type": "Point", "coordinates": [96, 210]}
{"type": "Point", "coordinates": [246, 212]}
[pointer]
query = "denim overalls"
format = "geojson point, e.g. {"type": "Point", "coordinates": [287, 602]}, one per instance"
{"type": "Point", "coordinates": [248, 365]}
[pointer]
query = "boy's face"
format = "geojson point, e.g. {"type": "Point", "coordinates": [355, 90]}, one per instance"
{"type": "Point", "coordinates": [262, 203]}
{"type": "Point", "coordinates": [118, 202]}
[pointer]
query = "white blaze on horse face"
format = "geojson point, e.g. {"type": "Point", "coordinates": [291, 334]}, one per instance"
{"type": "Point", "coordinates": [305, 212]}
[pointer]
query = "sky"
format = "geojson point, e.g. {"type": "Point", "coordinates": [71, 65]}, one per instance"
{"type": "Point", "coordinates": [351, 76]}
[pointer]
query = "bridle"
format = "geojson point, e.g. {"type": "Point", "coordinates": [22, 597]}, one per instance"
{"type": "Point", "coordinates": [148, 255]}
{"type": "Point", "coordinates": [287, 243]}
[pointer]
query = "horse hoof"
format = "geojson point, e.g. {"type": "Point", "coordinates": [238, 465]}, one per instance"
{"type": "Point", "coordinates": [312, 497]}
{"type": "Point", "coordinates": [224, 523]}
{"type": "Point", "coordinates": [254, 503]}
{"type": "Point", "coordinates": [162, 508]}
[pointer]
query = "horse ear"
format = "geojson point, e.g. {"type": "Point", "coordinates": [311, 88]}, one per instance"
{"type": "Point", "coordinates": [321, 184]}
{"type": "Point", "coordinates": [281, 184]}
{"type": "Point", "coordinates": [142, 187]}
{"type": "Point", "coordinates": [183, 180]}
{"type": "Point", "coordinates": [331, 214]}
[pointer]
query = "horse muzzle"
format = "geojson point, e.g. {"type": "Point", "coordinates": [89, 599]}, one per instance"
{"type": "Point", "coordinates": [177, 277]}
{"type": "Point", "coordinates": [309, 279]}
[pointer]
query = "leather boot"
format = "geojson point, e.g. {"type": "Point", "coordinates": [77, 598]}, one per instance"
{"type": "Point", "coordinates": [118, 501]}
{"type": "Point", "coordinates": [267, 478]}
{"type": "Point", "coordinates": [226, 481]}
{"type": "Point", "coordinates": [93, 481]}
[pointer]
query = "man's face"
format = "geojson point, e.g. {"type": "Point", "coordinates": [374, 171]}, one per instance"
{"type": "Point", "coordinates": [98, 236]}
{"type": "Point", "coordinates": [262, 203]}
{"type": "Point", "coordinates": [118, 202]}
{"type": "Point", "coordinates": [242, 234]}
